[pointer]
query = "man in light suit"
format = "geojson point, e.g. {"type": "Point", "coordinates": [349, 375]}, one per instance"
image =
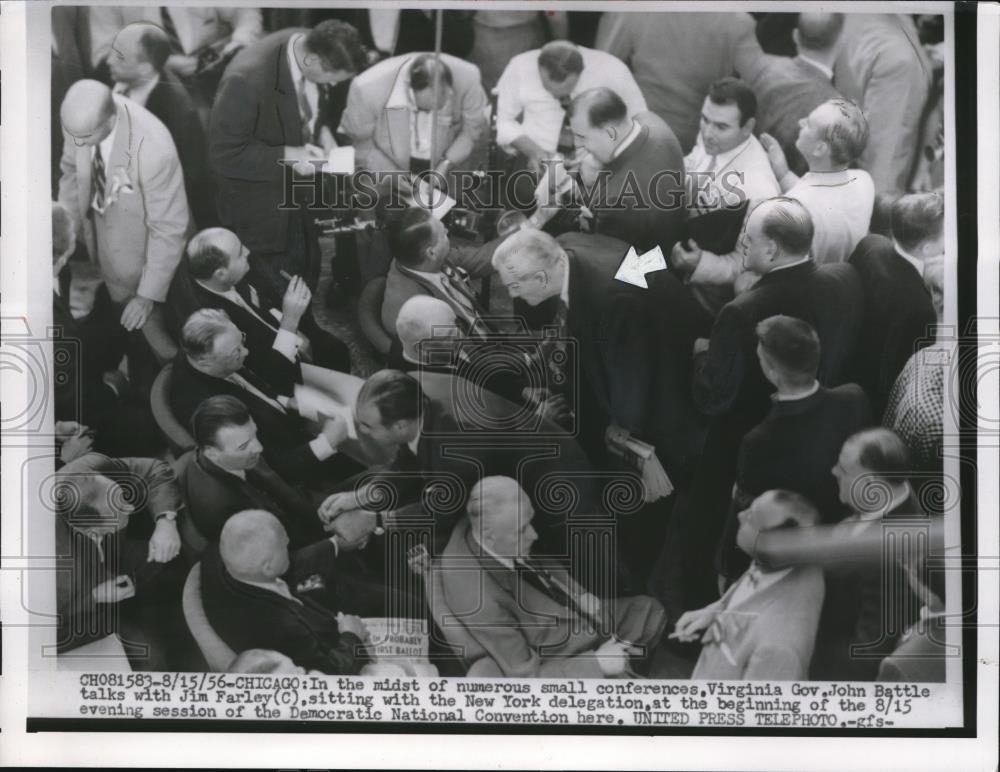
{"type": "Point", "coordinates": [764, 627]}
{"type": "Point", "coordinates": [532, 621]}
{"type": "Point", "coordinates": [122, 182]}
{"type": "Point", "coordinates": [883, 68]}
{"type": "Point", "coordinates": [390, 108]}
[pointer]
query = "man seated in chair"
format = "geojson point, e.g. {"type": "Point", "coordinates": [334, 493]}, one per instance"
{"type": "Point", "coordinates": [212, 362]}
{"type": "Point", "coordinates": [215, 274]}
{"type": "Point", "coordinates": [764, 627]}
{"type": "Point", "coordinates": [532, 621]}
{"type": "Point", "coordinates": [424, 263]}
{"type": "Point", "coordinates": [116, 522]}
{"type": "Point", "coordinates": [258, 596]}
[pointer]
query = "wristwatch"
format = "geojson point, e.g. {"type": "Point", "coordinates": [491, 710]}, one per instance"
{"type": "Point", "coordinates": [379, 524]}
{"type": "Point", "coordinates": [169, 516]}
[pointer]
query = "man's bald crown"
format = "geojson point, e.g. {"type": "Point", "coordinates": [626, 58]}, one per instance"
{"type": "Point", "coordinates": [87, 105]}
{"type": "Point", "coordinates": [247, 539]}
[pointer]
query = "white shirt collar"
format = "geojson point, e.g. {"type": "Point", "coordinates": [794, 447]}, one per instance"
{"type": "Point", "coordinates": [743, 589]}
{"type": "Point", "coordinates": [800, 395]}
{"type": "Point", "coordinates": [818, 65]}
{"type": "Point", "coordinates": [724, 159]}
{"type": "Point", "coordinates": [917, 263]}
{"type": "Point", "coordinates": [564, 293]}
{"type": "Point", "coordinates": [278, 586]}
{"type": "Point", "coordinates": [631, 137]}
{"type": "Point", "coordinates": [805, 259]}
{"type": "Point", "coordinates": [415, 442]}
{"type": "Point", "coordinates": [293, 63]}
{"type": "Point", "coordinates": [138, 94]}
{"type": "Point", "coordinates": [506, 562]}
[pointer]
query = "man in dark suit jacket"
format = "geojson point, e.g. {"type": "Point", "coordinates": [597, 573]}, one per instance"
{"type": "Point", "coordinates": [730, 387]}
{"type": "Point", "coordinates": [137, 62]}
{"type": "Point", "coordinates": [445, 434]}
{"type": "Point", "coordinates": [636, 189]}
{"type": "Point", "coordinates": [899, 313]}
{"type": "Point", "coordinates": [795, 447]}
{"type": "Point", "coordinates": [273, 105]}
{"type": "Point", "coordinates": [117, 525]}
{"type": "Point", "coordinates": [789, 88]}
{"type": "Point", "coordinates": [215, 274]}
{"type": "Point", "coordinates": [212, 362]}
{"type": "Point", "coordinates": [257, 596]}
{"type": "Point", "coordinates": [869, 604]}
{"type": "Point", "coordinates": [632, 345]}
{"type": "Point", "coordinates": [424, 263]}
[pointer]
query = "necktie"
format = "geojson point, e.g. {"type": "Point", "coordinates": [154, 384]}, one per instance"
{"type": "Point", "coordinates": [171, 30]}
{"type": "Point", "coordinates": [567, 143]}
{"type": "Point", "coordinates": [97, 177]}
{"type": "Point", "coordinates": [305, 110]}
{"type": "Point", "coordinates": [539, 577]}
{"type": "Point", "coordinates": [454, 285]}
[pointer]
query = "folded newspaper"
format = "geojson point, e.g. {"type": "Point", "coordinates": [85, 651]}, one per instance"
{"type": "Point", "coordinates": [641, 456]}
{"type": "Point", "coordinates": [325, 392]}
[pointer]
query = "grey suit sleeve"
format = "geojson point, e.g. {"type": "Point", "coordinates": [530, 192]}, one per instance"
{"type": "Point", "coordinates": [167, 217]}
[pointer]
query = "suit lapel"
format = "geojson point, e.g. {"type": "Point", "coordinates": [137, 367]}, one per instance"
{"type": "Point", "coordinates": [286, 97]}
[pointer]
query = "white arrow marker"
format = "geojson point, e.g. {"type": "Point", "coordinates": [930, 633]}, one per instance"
{"type": "Point", "coordinates": [634, 267]}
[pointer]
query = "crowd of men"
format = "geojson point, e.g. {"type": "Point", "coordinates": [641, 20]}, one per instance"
{"type": "Point", "coordinates": [688, 475]}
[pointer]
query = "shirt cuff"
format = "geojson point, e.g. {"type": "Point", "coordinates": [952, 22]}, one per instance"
{"type": "Point", "coordinates": [322, 448]}
{"type": "Point", "coordinates": [286, 343]}
{"type": "Point", "coordinates": [336, 547]}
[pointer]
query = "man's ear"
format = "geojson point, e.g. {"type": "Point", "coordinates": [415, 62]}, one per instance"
{"type": "Point", "coordinates": [219, 274]}
{"type": "Point", "coordinates": [749, 126]}
{"type": "Point", "coordinates": [612, 133]}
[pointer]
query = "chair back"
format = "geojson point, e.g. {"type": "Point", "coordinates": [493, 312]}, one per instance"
{"type": "Point", "coordinates": [216, 651]}
{"type": "Point", "coordinates": [178, 437]}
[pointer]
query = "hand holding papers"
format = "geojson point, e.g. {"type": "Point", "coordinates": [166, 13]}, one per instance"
{"type": "Point", "coordinates": [634, 267]}
{"type": "Point", "coordinates": [327, 394]}
{"type": "Point", "coordinates": [641, 456]}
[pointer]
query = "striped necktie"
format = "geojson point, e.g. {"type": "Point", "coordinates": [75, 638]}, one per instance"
{"type": "Point", "coordinates": [98, 178]}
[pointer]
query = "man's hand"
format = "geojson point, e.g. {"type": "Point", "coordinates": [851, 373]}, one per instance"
{"type": "Point", "coordinates": [67, 429]}
{"type": "Point", "coordinates": [693, 623]}
{"type": "Point", "coordinates": [587, 166]}
{"type": "Point", "coordinates": [684, 257]}
{"type": "Point", "coordinates": [612, 657]}
{"type": "Point", "coordinates": [779, 164]}
{"type": "Point", "coordinates": [75, 446]}
{"type": "Point", "coordinates": [114, 590]}
{"type": "Point", "coordinates": [303, 156]}
{"type": "Point", "coordinates": [354, 527]}
{"type": "Point", "coordinates": [326, 140]}
{"type": "Point", "coordinates": [136, 313]}
{"type": "Point", "coordinates": [700, 346]}
{"type": "Point", "coordinates": [348, 623]}
{"type": "Point", "coordinates": [294, 304]}
{"type": "Point", "coordinates": [334, 429]}
{"type": "Point", "coordinates": [231, 47]}
{"type": "Point", "coordinates": [182, 64]}
{"type": "Point", "coordinates": [338, 503]}
{"type": "Point", "coordinates": [165, 543]}
{"type": "Point", "coordinates": [555, 408]}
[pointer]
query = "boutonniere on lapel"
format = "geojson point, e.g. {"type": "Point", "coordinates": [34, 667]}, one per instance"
{"type": "Point", "coordinates": [119, 185]}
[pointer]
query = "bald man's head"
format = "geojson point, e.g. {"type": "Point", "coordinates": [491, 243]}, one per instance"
{"type": "Point", "coordinates": [426, 324]}
{"type": "Point", "coordinates": [138, 52]}
{"type": "Point", "coordinates": [500, 515]}
{"type": "Point", "coordinates": [818, 32]}
{"type": "Point", "coordinates": [254, 546]}
{"type": "Point", "coordinates": [88, 112]}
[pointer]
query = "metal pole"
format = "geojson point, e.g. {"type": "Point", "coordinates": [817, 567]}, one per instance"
{"type": "Point", "coordinates": [438, 23]}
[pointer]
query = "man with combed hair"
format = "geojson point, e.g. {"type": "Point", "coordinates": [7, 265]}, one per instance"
{"type": "Point", "coordinates": [212, 362]}
{"type": "Point", "coordinates": [390, 107]}
{"type": "Point", "coordinates": [868, 605]}
{"type": "Point", "coordinates": [274, 104]}
{"type": "Point", "coordinates": [508, 591]}
{"type": "Point", "coordinates": [536, 89]}
{"type": "Point", "coordinates": [728, 173]}
{"type": "Point", "coordinates": [677, 56]}
{"type": "Point", "coordinates": [729, 386]}
{"type": "Point", "coordinates": [789, 88]}
{"type": "Point", "coordinates": [632, 169]}
{"type": "Point", "coordinates": [794, 447]}
{"type": "Point", "coordinates": [258, 596]}
{"type": "Point", "coordinates": [281, 329]}
{"type": "Point", "coordinates": [764, 626]}
{"type": "Point", "coordinates": [840, 199]}
{"type": "Point", "coordinates": [123, 185]}
{"type": "Point", "coordinates": [137, 61]}
{"type": "Point", "coordinates": [899, 313]}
